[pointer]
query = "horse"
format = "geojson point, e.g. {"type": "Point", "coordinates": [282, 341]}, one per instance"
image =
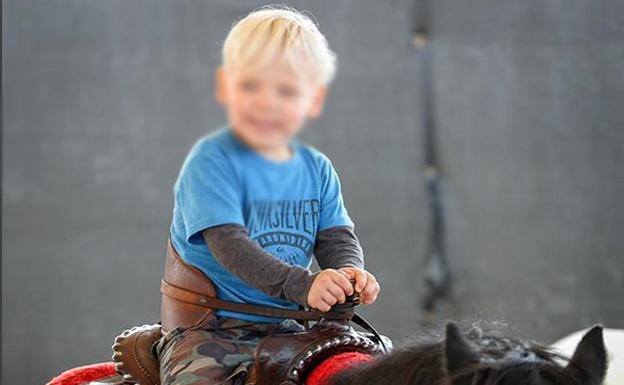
{"type": "Point", "coordinates": [471, 356]}
{"type": "Point", "coordinates": [479, 358]}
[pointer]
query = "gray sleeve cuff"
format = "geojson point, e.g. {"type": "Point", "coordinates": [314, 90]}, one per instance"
{"type": "Point", "coordinates": [298, 284]}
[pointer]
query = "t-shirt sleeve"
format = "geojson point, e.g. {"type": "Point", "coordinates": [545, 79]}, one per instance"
{"type": "Point", "coordinates": [333, 211]}
{"type": "Point", "coordinates": [208, 192]}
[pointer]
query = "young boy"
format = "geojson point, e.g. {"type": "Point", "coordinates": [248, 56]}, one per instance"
{"type": "Point", "coordinates": [252, 203]}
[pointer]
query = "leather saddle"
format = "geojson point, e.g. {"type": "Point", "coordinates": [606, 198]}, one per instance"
{"type": "Point", "coordinates": [287, 359]}
{"type": "Point", "coordinates": [189, 298]}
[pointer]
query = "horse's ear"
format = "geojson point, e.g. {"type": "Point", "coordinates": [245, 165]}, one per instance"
{"type": "Point", "coordinates": [459, 353]}
{"type": "Point", "coordinates": [589, 361]}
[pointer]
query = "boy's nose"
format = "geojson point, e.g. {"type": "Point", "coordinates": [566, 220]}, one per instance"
{"type": "Point", "coordinates": [267, 99]}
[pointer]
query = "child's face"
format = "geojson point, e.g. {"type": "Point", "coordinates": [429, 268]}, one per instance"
{"type": "Point", "coordinates": [270, 106]}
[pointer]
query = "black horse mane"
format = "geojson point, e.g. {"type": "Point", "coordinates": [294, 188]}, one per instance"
{"type": "Point", "coordinates": [478, 357]}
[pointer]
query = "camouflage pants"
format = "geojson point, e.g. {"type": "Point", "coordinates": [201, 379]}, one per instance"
{"type": "Point", "coordinates": [219, 352]}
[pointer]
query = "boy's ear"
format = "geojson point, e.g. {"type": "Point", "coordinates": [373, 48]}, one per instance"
{"type": "Point", "coordinates": [220, 90]}
{"type": "Point", "coordinates": [318, 100]}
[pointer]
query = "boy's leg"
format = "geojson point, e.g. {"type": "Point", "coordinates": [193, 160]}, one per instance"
{"type": "Point", "coordinates": [220, 352]}
{"type": "Point", "coordinates": [197, 356]}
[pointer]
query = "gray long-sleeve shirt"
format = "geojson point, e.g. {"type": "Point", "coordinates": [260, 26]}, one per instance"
{"type": "Point", "coordinates": [230, 244]}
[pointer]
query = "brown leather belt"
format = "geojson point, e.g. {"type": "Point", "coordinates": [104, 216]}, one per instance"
{"type": "Point", "coordinates": [189, 296]}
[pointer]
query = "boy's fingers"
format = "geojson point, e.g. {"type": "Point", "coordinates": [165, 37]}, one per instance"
{"type": "Point", "coordinates": [344, 283]}
{"type": "Point", "coordinates": [336, 292]}
{"type": "Point", "coordinates": [329, 299]}
{"type": "Point", "coordinates": [371, 289]}
{"type": "Point", "coordinates": [361, 280]}
{"type": "Point", "coordinates": [346, 273]}
{"type": "Point", "coordinates": [319, 303]}
{"type": "Point", "coordinates": [371, 300]}
{"type": "Point", "coordinates": [322, 306]}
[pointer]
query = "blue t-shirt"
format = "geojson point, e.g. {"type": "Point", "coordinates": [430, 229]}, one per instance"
{"type": "Point", "coordinates": [282, 204]}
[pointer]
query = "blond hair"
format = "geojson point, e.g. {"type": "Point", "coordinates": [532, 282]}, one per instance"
{"type": "Point", "coordinates": [280, 31]}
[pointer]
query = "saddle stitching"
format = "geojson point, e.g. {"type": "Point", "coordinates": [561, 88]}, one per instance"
{"type": "Point", "coordinates": [136, 360]}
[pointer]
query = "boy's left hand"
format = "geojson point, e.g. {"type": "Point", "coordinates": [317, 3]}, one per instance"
{"type": "Point", "coordinates": [365, 283]}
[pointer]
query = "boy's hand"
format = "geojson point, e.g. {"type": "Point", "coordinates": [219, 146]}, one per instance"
{"type": "Point", "coordinates": [365, 283]}
{"type": "Point", "coordinates": [328, 288]}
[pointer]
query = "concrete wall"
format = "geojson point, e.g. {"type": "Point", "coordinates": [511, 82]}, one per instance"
{"type": "Point", "coordinates": [103, 99]}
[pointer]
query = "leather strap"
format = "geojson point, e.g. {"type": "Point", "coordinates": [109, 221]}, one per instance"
{"type": "Point", "coordinates": [185, 295]}
{"type": "Point", "coordinates": [359, 320]}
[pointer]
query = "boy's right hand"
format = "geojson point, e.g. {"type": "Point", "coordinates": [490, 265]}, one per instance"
{"type": "Point", "coordinates": [328, 288]}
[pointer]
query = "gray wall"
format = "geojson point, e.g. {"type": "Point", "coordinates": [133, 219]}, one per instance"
{"type": "Point", "coordinates": [103, 99]}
